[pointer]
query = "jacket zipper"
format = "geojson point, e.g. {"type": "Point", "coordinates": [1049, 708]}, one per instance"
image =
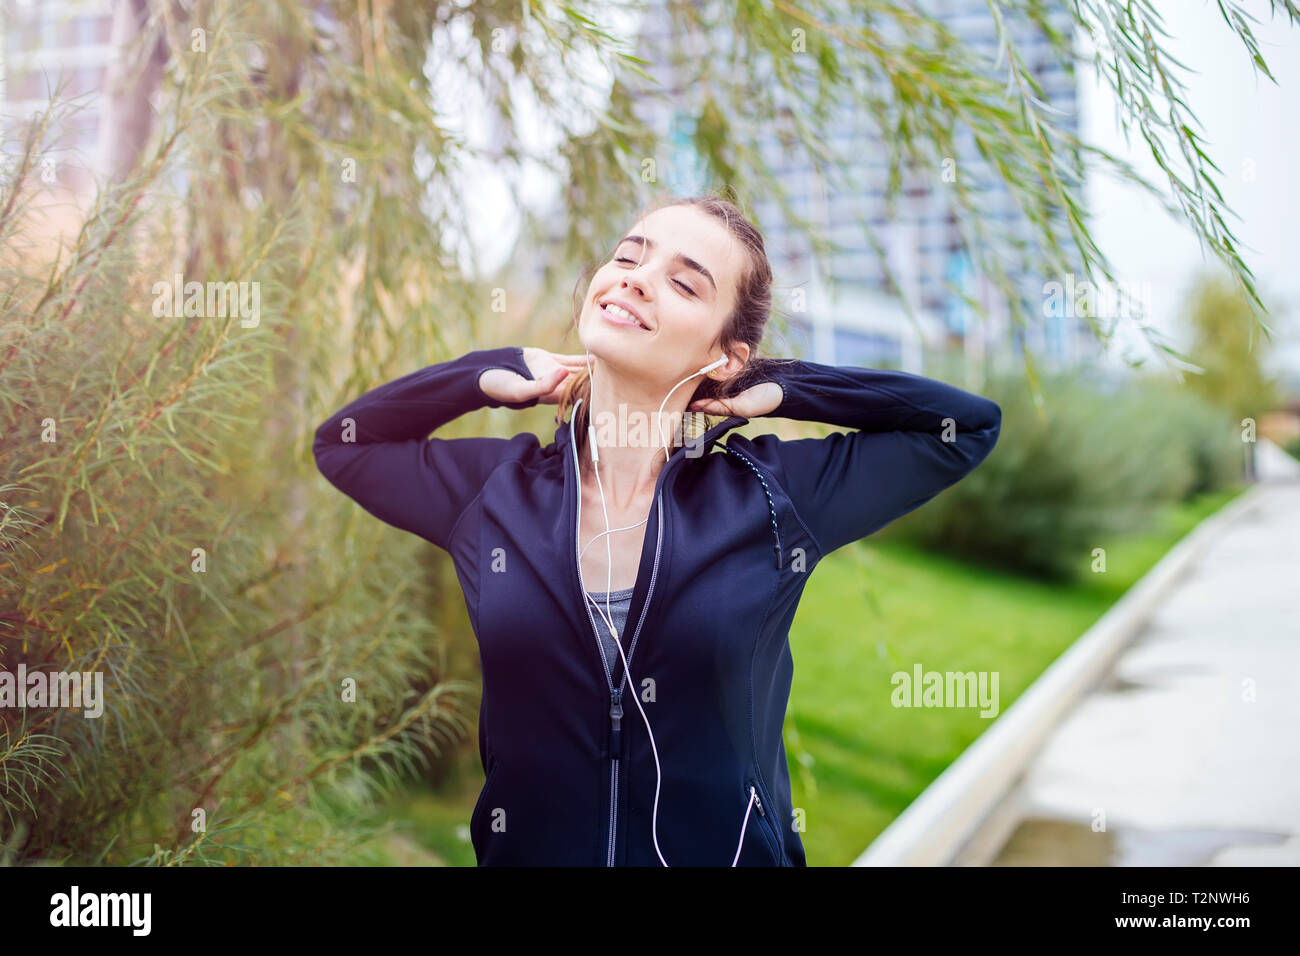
{"type": "Point", "coordinates": [615, 703]}
{"type": "Point", "coordinates": [616, 710]}
{"type": "Point", "coordinates": [765, 822]}
{"type": "Point", "coordinates": [615, 696]}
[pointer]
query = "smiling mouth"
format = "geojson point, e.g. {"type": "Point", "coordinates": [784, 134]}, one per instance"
{"type": "Point", "coordinates": [622, 317]}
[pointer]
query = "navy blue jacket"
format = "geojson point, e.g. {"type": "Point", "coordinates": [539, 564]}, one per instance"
{"type": "Point", "coordinates": [734, 532]}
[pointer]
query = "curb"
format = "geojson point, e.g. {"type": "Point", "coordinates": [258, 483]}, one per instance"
{"type": "Point", "coordinates": [936, 826]}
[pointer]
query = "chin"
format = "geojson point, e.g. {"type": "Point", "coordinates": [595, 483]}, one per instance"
{"type": "Point", "coordinates": [601, 340]}
{"type": "Point", "coordinates": [601, 348]}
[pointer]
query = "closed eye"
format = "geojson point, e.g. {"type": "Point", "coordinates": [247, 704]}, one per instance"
{"type": "Point", "coordinates": [688, 289]}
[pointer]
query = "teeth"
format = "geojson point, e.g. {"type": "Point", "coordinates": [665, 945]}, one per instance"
{"type": "Point", "coordinates": [623, 313]}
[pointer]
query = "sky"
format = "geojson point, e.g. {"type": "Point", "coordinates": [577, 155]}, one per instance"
{"type": "Point", "coordinates": [1253, 130]}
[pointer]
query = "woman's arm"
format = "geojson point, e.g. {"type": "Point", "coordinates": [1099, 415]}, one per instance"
{"type": "Point", "coordinates": [914, 437]}
{"type": "Point", "coordinates": [376, 449]}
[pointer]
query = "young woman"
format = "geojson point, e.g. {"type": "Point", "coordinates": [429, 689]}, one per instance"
{"type": "Point", "coordinates": [632, 591]}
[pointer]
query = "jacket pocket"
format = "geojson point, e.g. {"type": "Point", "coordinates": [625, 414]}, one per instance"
{"type": "Point", "coordinates": [760, 818]}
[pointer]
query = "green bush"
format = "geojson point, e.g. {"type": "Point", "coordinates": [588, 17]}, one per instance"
{"type": "Point", "coordinates": [1095, 460]}
{"type": "Point", "coordinates": [1210, 437]}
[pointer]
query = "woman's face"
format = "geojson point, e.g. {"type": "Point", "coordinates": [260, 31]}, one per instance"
{"type": "Point", "coordinates": [677, 271]}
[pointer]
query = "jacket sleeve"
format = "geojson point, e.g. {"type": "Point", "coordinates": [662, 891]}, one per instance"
{"type": "Point", "coordinates": [376, 449]}
{"type": "Point", "coordinates": [914, 437]}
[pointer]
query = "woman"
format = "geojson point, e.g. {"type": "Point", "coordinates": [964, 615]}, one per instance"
{"type": "Point", "coordinates": [708, 549]}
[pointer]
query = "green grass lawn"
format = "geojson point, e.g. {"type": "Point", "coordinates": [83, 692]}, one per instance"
{"type": "Point", "coordinates": [871, 609]}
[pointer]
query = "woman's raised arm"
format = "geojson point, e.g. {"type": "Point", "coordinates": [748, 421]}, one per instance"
{"type": "Point", "coordinates": [914, 437]}
{"type": "Point", "coordinates": [376, 449]}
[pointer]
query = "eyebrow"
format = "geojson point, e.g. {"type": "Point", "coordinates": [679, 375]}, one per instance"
{"type": "Point", "coordinates": [687, 261]}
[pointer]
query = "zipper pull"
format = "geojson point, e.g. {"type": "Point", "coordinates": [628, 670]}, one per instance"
{"type": "Point", "coordinates": [758, 804]}
{"type": "Point", "coordinates": [616, 729]}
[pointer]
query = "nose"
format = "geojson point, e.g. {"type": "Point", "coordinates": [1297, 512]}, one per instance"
{"type": "Point", "coordinates": [636, 285]}
{"type": "Point", "coordinates": [632, 280]}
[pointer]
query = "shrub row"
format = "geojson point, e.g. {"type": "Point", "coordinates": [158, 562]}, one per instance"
{"type": "Point", "coordinates": [1095, 460]}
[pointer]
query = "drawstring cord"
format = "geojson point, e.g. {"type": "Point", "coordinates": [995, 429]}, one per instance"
{"type": "Point", "coordinates": [770, 506]}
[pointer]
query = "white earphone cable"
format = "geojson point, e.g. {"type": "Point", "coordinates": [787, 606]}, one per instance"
{"type": "Point", "coordinates": [601, 534]}
{"type": "Point", "coordinates": [659, 415]}
{"type": "Point", "coordinates": [607, 615]}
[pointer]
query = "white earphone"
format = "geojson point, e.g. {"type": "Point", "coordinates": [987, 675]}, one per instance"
{"type": "Point", "coordinates": [607, 616]}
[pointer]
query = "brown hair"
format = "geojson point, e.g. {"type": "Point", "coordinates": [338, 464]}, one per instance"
{"type": "Point", "coordinates": [747, 322]}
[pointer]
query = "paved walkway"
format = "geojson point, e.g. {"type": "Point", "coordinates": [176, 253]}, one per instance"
{"type": "Point", "coordinates": [1189, 754]}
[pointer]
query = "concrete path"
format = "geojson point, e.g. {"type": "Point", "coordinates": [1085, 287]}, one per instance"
{"type": "Point", "coordinates": [1189, 754]}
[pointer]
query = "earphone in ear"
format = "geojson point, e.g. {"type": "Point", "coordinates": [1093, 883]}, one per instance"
{"type": "Point", "coordinates": [659, 418]}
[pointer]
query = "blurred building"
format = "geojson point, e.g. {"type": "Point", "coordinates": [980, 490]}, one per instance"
{"type": "Point", "coordinates": [846, 307]}
{"type": "Point", "coordinates": [45, 43]}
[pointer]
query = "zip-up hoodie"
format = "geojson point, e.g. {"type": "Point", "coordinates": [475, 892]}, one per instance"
{"type": "Point", "coordinates": [734, 530]}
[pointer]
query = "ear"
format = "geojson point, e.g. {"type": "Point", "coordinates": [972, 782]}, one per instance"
{"type": "Point", "coordinates": [737, 357]}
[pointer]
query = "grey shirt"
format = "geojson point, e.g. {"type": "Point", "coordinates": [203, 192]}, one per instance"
{"type": "Point", "coordinates": [620, 603]}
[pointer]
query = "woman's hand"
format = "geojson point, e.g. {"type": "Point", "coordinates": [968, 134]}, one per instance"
{"type": "Point", "coordinates": [549, 371]}
{"type": "Point", "coordinates": [754, 402]}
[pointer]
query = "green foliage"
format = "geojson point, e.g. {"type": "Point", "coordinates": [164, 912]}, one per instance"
{"type": "Point", "coordinates": [133, 439]}
{"type": "Point", "coordinates": [1227, 350]}
{"type": "Point", "coordinates": [1209, 437]}
{"type": "Point", "coordinates": [1095, 462]}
